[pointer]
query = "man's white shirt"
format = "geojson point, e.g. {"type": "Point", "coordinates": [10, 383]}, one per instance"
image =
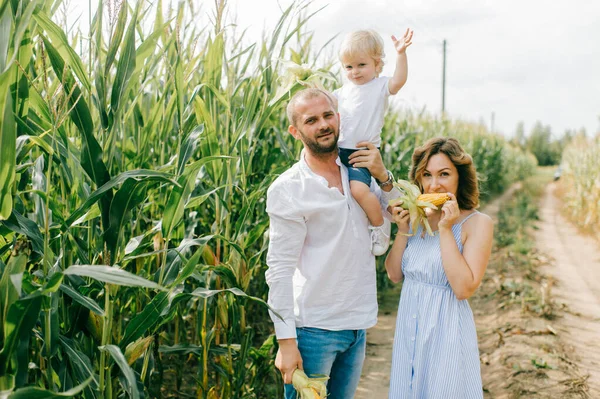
{"type": "Point", "coordinates": [321, 271]}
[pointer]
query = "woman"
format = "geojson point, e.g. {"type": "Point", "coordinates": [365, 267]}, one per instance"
{"type": "Point", "coordinates": [435, 346]}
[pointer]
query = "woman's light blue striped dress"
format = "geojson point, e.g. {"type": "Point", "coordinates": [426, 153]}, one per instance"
{"type": "Point", "coordinates": [435, 353]}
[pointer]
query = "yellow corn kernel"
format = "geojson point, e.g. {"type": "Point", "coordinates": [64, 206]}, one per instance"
{"type": "Point", "coordinates": [437, 199]}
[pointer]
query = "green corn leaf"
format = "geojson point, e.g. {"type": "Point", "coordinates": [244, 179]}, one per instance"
{"type": "Point", "coordinates": [115, 41]}
{"type": "Point", "coordinates": [21, 31]}
{"type": "Point", "coordinates": [125, 66]}
{"type": "Point", "coordinates": [21, 317]}
{"type": "Point", "coordinates": [39, 393]}
{"type": "Point", "coordinates": [146, 49]}
{"type": "Point", "coordinates": [204, 116]}
{"type": "Point", "coordinates": [158, 20]}
{"type": "Point", "coordinates": [8, 137]}
{"type": "Point", "coordinates": [61, 45]}
{"type": "Point", "coordinates": [5, 28]}
{"type": "Point", "coordinates": [174, 258]}
{"type": "Point", "coordinates": [91, 152]}
{"type": "Point", "coordinates": [206, 293]}
{"type": "Point", "coordinates": [80, 247]}
{"type": "Point", "coordinates": [177, 199]}
{"type": "Point", "coordinates": [149, 317]}
{"type": "Point", "coordinates": [53, 283]}
{"type": "Point", "coordinates": [226, 273]}
{"type": "Point", "coordinates": [131, 193]}
{"type": "Point", "coordinates": [50, 330]}
{"type": "Point", "coordinates": [247, 210]}
{"type": "Point", "coordinates": [91, 214]}
{"type": "Point", "coordinates": [190, 266]}
{"type": "Point", "coordinates": [134, 243]}
{"type": "Point", "coordinates": [197, 200]}
{"type": "Point", "coordinates": [144, 255]}
{"type": "Point", "coordinates": [188, 147]}
{"type": "Point", "coordinates": [117, 355]}
{"type": "Point", "coordinates": [169, 312]}
{"type": "Point", "coordinates": [9, 293]}
{"type": "Point", "coordinates": [181, 349]}
{"type": "Point", "coordinates": [111, 275]}
{"type": "Point", "coordinates": [179, 195]}
{"type": "Point", "coordinates": [20, 224]}
{"type": "Point", "coordinates": [96, 195]}
{"type": "Point", "coordinates": [80, 363]}
{"type": "Point", "coordinates": [35, 140]}
{"type": "Point", "coordinates": [185, 349]}
{"type": "Point", "coordinates": [84, 301]}
{"type": "Point", "coordinates": [180, 88]}
{"type": "Point", "coordinates": [233, 245]}
{"type": "Point", "coordinates": [256, 233]}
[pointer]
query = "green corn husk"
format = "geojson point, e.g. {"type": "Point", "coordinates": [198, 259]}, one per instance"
{"type": "Point", "coordinates": [416, 208]}
{"type": "Point", "coordinates": [137, 348]}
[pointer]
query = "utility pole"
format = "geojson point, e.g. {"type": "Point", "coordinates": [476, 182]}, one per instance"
{"type": "Point", "coordinates": [444, 81]}
{"type": "Point", "coordinates": [492, 124]}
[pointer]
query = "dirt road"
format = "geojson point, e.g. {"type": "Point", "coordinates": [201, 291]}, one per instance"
{"type": "Point", "coordinates": [576, 267]}
{"type": "Point", "coordinates": [577, 273]}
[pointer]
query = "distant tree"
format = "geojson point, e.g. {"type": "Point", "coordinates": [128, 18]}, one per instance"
{"type": "Point", "coordinates": [540, 143]}
{"type": "Point", "coordinates": [568, 136]}
{"type": "Point", "coordinates": [519, 138]}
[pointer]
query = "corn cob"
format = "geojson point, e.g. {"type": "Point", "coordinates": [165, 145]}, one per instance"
{"type": "Point", "coordinates": [412, 200]}
{"type": "Point", "coordinates": [137, 348]}
{"type": "Point", "coordinates": [437, 199]}
{"type": "Point", "coordinates": [309, 388]}
{"type": "Point", "coordinates": [94, 325]}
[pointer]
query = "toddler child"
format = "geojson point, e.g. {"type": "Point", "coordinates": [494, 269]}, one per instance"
{"type": "Point", "coordinates": [362, 102]}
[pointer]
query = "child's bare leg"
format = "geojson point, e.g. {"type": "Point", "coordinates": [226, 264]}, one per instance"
{"type": "Point", "coordinates": [367, 201]}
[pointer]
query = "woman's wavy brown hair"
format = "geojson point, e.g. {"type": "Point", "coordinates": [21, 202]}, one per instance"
{"type": "Point", "coordinates": [467, 194]}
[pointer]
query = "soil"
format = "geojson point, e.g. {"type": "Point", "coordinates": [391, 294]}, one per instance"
{"type": "Point", "coordinates": [550, 351]}
{"type": "Point", "coordinates": [576, 267]}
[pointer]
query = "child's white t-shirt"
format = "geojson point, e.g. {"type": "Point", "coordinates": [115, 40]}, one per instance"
{"type": "Point", "coordinates": [362, 111]}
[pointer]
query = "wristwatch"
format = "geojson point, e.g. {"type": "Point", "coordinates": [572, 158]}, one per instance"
{"type": "Point", "coordinates": [389, 181]}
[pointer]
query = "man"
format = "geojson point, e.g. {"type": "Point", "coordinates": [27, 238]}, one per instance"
{"type": "Point", "coordinates": [321, 272]}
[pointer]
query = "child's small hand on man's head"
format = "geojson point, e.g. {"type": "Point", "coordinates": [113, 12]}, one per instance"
{"type": "Point", "coordinates": [401, 44]}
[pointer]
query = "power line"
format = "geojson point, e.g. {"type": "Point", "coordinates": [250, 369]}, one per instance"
{"type": "Point", "coordinates": [444, 80]}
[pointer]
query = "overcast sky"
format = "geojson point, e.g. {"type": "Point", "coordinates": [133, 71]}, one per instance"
{"type": "Point", "coordinates": [523, 60]}
{"type": "Point", "coordinates": [520, 60]}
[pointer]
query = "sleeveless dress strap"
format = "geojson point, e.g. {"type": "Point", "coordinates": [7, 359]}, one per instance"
{"type": "Point", "coordinates": [467, 218]}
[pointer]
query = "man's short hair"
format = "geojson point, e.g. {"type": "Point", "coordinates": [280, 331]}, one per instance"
{"type": "Point", "coordinates": [307, 94]}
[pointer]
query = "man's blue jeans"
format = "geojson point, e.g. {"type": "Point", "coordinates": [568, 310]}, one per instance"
{"type": "Point", "coordinates": [338, 354]}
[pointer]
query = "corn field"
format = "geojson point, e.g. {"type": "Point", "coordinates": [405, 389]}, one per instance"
{"type": "Point", "coordinates": [581, 179]}
{"type": "Point", "coordinates": [134, 165]}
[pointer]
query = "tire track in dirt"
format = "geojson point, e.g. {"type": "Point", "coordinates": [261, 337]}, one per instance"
{"type": "Point", "coordinates": [576, 268]}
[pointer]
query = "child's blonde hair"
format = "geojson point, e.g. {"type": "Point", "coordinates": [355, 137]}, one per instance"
{"type": "Point", "coordinates": [363, 42]}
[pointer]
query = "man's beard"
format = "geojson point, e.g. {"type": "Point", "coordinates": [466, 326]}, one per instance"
{"type": "Point", "coordinates": [320, 149]}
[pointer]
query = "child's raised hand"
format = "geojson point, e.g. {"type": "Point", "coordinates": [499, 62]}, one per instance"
{"type": "Point", "coordinates": [402, 43]}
